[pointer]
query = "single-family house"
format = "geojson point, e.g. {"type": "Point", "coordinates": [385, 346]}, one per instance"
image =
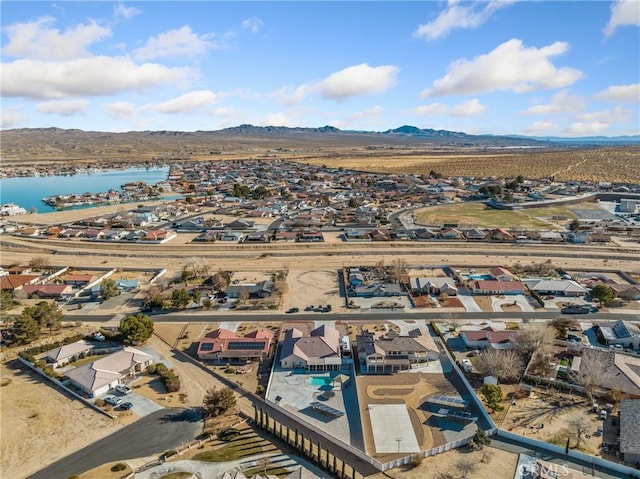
{"type": "Point", "coordinates": [127, 285]}
{"type": "Point", "coordinates": [490, 338]}
{"type": "Point", "coordinates": [451, 234]}
{"type": "Point", "coordinates": [629, 427]}
{"type": "Point", "coordinates": [320, 351]}
{"type": "Point", "coordinates": [622, 333]}
{"type": "Point", "coordinates": [377, 289]}
{"type": "Point", "coordinates": [492, 286]}
{"type": "Point", "coordinates": [241, 224]}
{"type": "Point", "coordinates": [14, 282]}
{"type": "Point", "coordinates": [630, 292]}
{"type": "Point", "coordinates": [234, 236]}
{"type": "Point", "coordinates": [500, 234]}
{"type": "Point", "coordinates": [78, 279]}
{"type": "Point", "coordinates": [394, 352]}
{"type": "Point", "coordinates": [159, 236]}
{"type": "Point", "coordinates": [475, 234]}
{"type": "Point", "coordinates": [48, 291]}
{"type": "Point", "coordinates": [288, 236]}
{"type": "Point", "coordinates": [311, 236]}
{"type": "Point", "coordinates": [98, 377]}
{"type": "Point", "coordinates": [225, 346]}
{"type": "Point", "coordinates": [502, 274]}
{"type": "Point", "coordinates": [425, 233]}
{"type": "Point", "coordinates": [262, 289]}
{"type": "Point", "coordinates": [206, 236]}
{"type": "Point", "coordinates": [433, 285]}
{"type": "Point", "coordinates": [63, 355]}
{"type": "Point", "coordinates": [557, 287]}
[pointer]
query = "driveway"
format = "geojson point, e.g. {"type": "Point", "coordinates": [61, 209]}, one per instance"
{"type": "Point", "coordinates": [142, 406]}
{"type": "Point", "coordinates": [520, 299]}
{"type": "Point", "coordinates": [151, 435]}
{"type": "Point", "coordinates": [469, 303]}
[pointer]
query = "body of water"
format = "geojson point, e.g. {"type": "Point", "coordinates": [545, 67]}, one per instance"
{"type": "Point", "coordinates": [29, 191]}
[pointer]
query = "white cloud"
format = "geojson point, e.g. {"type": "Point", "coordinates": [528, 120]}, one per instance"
{"type": "Point", "coordinates": [120, 110]}
{"type": "Point", "coordinates": [253, 24]}
{"type": "Point", "coordinates": [586, 128]}
{"type": "Point", "coordinates": [280, 118]}
{"type": "Point", "coordinates": [510, 66]}
{"type": "Point", "coordinates": [371, 117]}
{"type": "Point", "coordinates": [561, 103]}
{"type": "Point", "coordinates": [623, 13]}
{"type": "Point", "coordinates": [290, 95]}
{"type": "Point", "coordinates": [469, 108]}
{"type": "Point", "coordinates": [94, 76]}
{"type": "Point", "coordinates": [358, 80]}
{"type": "Point", "coordinates": [180, 42]}
{"type": "Point", "coordinates": [459, 16]}
{"type": "Point", "coordinates": [598, 121]}
{"type": "Point", "coordinates": [12, 117]}
{"type": "Point", "coordinates": [621, 93]}
{"type": "Point", "coordinates": [120, 11]}
{"type": "Point", "coordinates": [62, 107]}
{"type": "Point", "coordinates": [37, 40]}
{"type": "Point", "coordinates": [541, 127]}
{"type": "Point", "coordinates": [616, 115]}
{"type": "Point", "coordinates": [193, 101]}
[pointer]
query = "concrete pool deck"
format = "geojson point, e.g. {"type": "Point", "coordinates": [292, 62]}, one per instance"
{"type": "Point", "coordinates": [295, 392]}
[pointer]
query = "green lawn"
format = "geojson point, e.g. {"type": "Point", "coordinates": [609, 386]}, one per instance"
{"type": "Point", "coordinates": [235, 449]}
{"type": "Point", "coordinates": [467, 215]}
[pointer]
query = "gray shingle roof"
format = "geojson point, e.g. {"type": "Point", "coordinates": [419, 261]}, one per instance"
{"type": "Point", "coordinates": [629, 426]}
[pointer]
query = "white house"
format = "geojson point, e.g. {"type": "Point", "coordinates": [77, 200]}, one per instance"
{"type": "Point", "coordinates": [99, 376]}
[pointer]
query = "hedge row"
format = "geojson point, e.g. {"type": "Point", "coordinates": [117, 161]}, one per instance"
{"type": "Point", "coordinates": [30, 353]}
{"type": "Point", "coordinates": [169, 378]}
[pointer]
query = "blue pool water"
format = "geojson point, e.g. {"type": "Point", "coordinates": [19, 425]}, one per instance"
{"type": "Point", "coordinates": [320, 380]}
{"type": "Point", "coordinates": [478, 276]}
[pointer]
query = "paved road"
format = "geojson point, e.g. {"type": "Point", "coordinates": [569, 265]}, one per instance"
{"type": "Point", "coordinates": [158, 432]}
{"type": "Point", "coordinates": [367, 316]}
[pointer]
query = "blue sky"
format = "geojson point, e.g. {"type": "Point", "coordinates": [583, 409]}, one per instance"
{"type": "Point", "coordinates": [503, 67]}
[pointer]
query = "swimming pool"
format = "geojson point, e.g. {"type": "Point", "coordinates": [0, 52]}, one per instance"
{"type": "Point", "coordinates": [320, 380]}
{"type": "Point", "coordinates": [478, 276]}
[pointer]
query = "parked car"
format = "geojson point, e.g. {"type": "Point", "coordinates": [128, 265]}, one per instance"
{"type": "Point", "coordinates": [125, 406]}
{"type": "Point", "coordinates": [467, 367]}
{"type": "Point", "coordinates": [575, 309]}
{"type": "Point", "coordinates": [113, 400]}
{"type": "Point", "coordinates": [123, 389]}
{"type": "Point", "coordinates": [98, 336]}
{"type": "Point", "coordinates": [292, 310]}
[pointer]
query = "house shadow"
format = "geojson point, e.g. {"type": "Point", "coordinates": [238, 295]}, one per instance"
{"type": "Point", "coordinates": [309, 411]}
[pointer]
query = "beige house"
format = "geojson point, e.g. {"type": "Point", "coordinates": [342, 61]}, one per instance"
{"type": "Point", "coordinates": [320, 351]}
{"type": "Point", "coordinates": [98, 377]}
{"type": "Point", "coordinates": [393, 352]}
{"type": "Point", "coordinates": [58, 357]}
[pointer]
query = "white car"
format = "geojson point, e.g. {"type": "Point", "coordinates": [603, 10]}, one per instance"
{"type": "Point", "coordinates": [113, 400]}
{"type": "Point", "coordinates": [467, 367]}
{"type": "Point", "coordinates": [122, 389]}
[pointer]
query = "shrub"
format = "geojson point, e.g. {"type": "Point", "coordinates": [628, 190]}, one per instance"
{"type": "Point", "coordinates": [228, 434]}
{"type": "Point", "coordinates": [99, 402]}
{"type": "Point", "coordinates": [5, 381]}
{"type": "Point", "coordinates": [152, 369]}
{"type": "Point", "coordinates": [169, 453]}
{"type": "Point", "coordinates": [259, 389]}
{"type": "Point", "coordinates": [230, 370]}
{"type": "Point", "coordinates": [118, 467]}
{"type": "Point", "coordinates": [161, 369]}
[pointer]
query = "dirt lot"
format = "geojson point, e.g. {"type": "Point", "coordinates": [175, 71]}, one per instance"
{"type": "Point", "coordinates": [307, 287]}
{"type": "Point", "coordinates": [41, 425]}
{"type": "Point", "coordinates": [492, 464]}
{"type": "Point", "coordinates": [546, 416]}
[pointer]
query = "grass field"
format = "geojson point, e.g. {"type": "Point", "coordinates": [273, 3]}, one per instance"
{"type": "Point", "coordinates": [480, 215]}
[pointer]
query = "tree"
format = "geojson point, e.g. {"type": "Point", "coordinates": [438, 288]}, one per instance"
{"type": "Point", "coordinates": [505, 364]}
{"type": "Point", "coordinates": [536, 336]}
{"type": "Point", "coordinates": [579, 425]}
{"type": "Point", "coordinates": [243, 295]}
{"type": "Point", "coordinates": [493, 396]}
{"type": "Point", "coordinates": [218, 401]}
{"type": "Point", "coordinates": [480, 439]}
{"type": "Point", "coordinates": [108, 289]}
{"type": "Point", "coordinates": [593, 367]}
{"type": "Point", "coordinates": [39, 263]}
{"type": "Point", "coordinates": [26, 329]}
{"type": "Point", "coordinates": [574, 225]}
{"type": "Point", "coordinates": [180, 298]}
{"type": "Point", "coordinates": [221, 280]}
{"type": "Point", "coordinates": [135, 329]}
{"type": "Point", "coordinates": [6, 301]}
{"type": "Point", "coordinates": [45, 314]}
{"type": "Point", "coordinates": [465, 466]}
{"type": "Point", "coordinates": [603, 294]}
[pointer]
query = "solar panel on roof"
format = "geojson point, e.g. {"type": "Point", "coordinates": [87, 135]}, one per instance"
{"type": "Point", "coordinates": [206, 347]}
{"type": "Point", "coordinates": [453, 401]}
{"type": "Point", "coordinates": [242, 345]}
{"type": "Point", "coordinates": [328, 409]}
